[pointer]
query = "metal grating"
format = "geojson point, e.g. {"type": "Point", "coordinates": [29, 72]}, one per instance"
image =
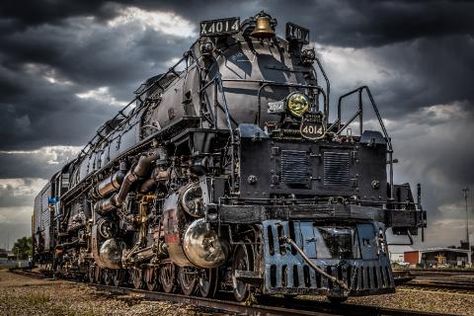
{"type": "Point", "coordinates": [294, 166]}
{"type": "Point", "coordinates": [336, 169]}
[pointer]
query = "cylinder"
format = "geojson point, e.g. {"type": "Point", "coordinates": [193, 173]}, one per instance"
{"type": "Point", "coordinates": [109, 185]}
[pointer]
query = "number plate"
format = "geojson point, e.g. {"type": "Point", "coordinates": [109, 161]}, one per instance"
{"type": "Point", "coordinates": [297, 33]}
{"type": "Point", "coordinates": [220, 27]}
{"type": "Point", "coordinates": [312, 126]}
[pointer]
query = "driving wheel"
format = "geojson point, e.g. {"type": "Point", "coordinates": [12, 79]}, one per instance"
{"type": "Point", "coordinates": [118, 277]}
{"type": "Point", "coordinates": [243, 261]}
{"type": "Point", "coordinates": [91, 274]}
{"type": "Point", "coordinates": [208, 282]}
{"type": "Point", "coordinates": [98, 275]}
{"type": "Point", "coordinates": [137, 278]}
{"type": "Point", "coordinates": [187, 278]}
{"type": "Point", "coordinates": [151, 279]}
{"type": "Point", "coordinates": [107, 277]}
{"type": "Point", "coordinates": [168, 277]}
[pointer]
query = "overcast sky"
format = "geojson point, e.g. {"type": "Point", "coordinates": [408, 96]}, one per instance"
{"type": "Point", "coordinates": [67, 66]}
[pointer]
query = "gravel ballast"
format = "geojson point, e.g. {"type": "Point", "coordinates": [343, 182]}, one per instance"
{"type": "Point", "coordinates": [22, 295]}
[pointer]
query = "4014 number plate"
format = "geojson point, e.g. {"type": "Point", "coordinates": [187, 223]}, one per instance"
{"type": "Point", "coordinates": [220, 27]}
{"type": "Point", "coordinates": [312, 126]}
{"type": "Point", "coordinates": [296, 32]}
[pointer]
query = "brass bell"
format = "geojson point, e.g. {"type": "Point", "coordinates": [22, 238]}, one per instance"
{"type": "Point", "coordinates": [262, 28]}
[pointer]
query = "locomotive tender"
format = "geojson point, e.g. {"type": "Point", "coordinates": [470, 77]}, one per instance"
{"type": "Point", "coordinates": [225, 173]}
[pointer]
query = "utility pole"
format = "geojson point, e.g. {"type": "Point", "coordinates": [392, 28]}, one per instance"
{"type": "Point", "coordinates": [466, 195]}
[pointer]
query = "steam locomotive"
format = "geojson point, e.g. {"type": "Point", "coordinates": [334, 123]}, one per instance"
{"type": "Point", "coordinates": [226, 174]}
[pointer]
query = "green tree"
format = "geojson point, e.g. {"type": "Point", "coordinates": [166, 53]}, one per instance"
{"type": "Point", "coordinates": [23, 248]}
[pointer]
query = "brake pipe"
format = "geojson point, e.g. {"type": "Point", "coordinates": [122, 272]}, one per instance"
{"type": "Point", "coordinates": [288, 240]}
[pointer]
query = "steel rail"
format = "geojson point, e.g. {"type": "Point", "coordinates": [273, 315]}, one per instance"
{"type": "Point", "coordinates": [466, 286]}
{"type": "Point", "coordinates": [215, 304]}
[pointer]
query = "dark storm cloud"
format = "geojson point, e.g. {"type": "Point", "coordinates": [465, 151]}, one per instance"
{"type": "Point", "coordinates": [424, 72]}
{"type": "Point", "coordinates": [90, 54]}
{"type": "Point", "coordinates": [39, 112]}
{"type": "Point", "coordinates": [36, 113]}
{"type": "Point", "coordinates": [55, 12]}
{"type": "Point", "coordinates": [373, 23]}
{"type": "Point", "coordinates": [341, 22]}
{"type": "Point", "coordinates": [34, 12]}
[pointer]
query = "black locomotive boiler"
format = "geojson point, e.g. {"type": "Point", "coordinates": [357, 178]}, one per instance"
{"type": "Point", "coordinates": [225, 173]}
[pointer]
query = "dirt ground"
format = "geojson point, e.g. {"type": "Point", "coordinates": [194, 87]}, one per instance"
{"type": "Point", "coordinates": [419, 300]}
{"type": "Point", "coordinates": [20, 295]}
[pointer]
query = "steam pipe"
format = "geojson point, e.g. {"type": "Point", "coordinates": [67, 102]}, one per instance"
{"type": "Point", "coordinates": [68, 244]}
{"type": "Point", "coordinates": [140, 170]}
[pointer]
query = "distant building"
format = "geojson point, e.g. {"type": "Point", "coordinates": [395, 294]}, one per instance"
{"type": "Point", "coordinates": [3, 254]}
{"type": "Point", "coordinates": [397, 253]}
{"type": "Point", "coordinates": [438, 257]}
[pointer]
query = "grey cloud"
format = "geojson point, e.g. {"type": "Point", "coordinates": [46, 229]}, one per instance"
{"type": "Point", "coordinates": [40, 113]}
{"type": "Point", "coordinates": [29, 13]}
{"type": "Point", "coordinates": [340, 22]}
{"type": "Point", "coordinates": [42, 163]}
{"type": "Point", "coordinates": [435, 149]}
{"type": "Point", "coordinates": [20, 192]}
{"type": "Point", "coordinates": [375, 23]}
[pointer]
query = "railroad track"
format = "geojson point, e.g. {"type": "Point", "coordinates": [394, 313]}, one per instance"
{"type": "Point", "coordinates": [264, 305]}
{"type": "Point", "coordinates": [268, 305]}
{"type": "Point", "coordinates": [441, 285]}
{"type": "Point", "coordinates": [440, 271]}
{"type": "Point", "coordinates": [28, 273]}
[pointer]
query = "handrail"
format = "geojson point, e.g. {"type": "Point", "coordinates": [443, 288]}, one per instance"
{"type": "Point", "coordinates": [283, 84]}
{"type": "Point", "coordinates": [328, 85]}
{"type": "Point", "coordinates": [360, 114]}
{"type": "Point", "coordinates": [229, 125]}
{"type": "Point", "coordinates": [265, 83]}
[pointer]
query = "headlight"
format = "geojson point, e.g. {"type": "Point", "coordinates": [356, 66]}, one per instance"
{"type": "Point", "coordinates": [297, 104]}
